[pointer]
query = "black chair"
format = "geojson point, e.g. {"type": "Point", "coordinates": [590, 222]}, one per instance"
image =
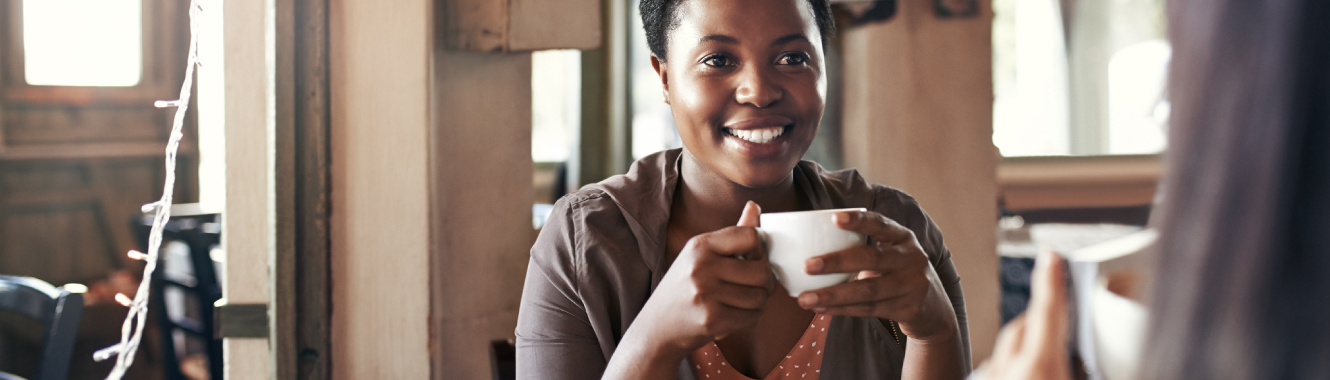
{"type": "Point", "coordinates": [57, 309]}
{"type": "Point", "coordinates": [193, 281]}
{"type": "Point", "coordinates": [503, 359]}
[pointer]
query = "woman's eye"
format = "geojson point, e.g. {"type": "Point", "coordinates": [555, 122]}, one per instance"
{"type": "Point", "coordinates": [717, 61]}
{"type": "Point", "coordinates": [793, 59]}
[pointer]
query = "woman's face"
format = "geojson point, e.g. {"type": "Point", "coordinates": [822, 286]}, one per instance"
{"type": "Point", "coordinates": [745, 82]}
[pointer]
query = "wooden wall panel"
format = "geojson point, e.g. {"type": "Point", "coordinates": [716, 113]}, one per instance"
{"type": "Point", "coordinates": [918, 116]}
{"type": "Point", "coordinates": [59, 125]}
{"type": "Point", "coordinates": [77, 162]}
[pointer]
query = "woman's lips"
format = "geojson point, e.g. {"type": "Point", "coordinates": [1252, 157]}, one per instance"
{"type": "Point", "coordinates": [757, 136]}
{"type": "Point", "coordinates": [758, 130]}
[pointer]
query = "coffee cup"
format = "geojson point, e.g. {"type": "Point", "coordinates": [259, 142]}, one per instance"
{"type": "Point", "coordinates": [792, 238]}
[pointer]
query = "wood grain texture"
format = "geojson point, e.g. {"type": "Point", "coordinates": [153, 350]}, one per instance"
{"type": "Point", "coordinates": [380, 82]}
{"type": "Point", "coordinates": [247, 225]}
{"type": "Point", "coordinates": [312, 166]}
{"type": "Point", "coordinates": [480, 207]}
{"type": "Point", "coordinates": [1078, 182]}
{"type": "Point", "coordinates": [520, 25]}
{"type": "Point", "coordinates": [79, 161]}
{"type": "Point", "coordinates": [918, 117]}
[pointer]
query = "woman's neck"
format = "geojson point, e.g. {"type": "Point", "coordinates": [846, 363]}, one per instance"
{"type": "Point", "coordinates": [706, 201]}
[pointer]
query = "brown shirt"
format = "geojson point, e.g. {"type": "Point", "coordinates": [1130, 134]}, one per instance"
{"type": "Point", "coordinates": [601, 253]}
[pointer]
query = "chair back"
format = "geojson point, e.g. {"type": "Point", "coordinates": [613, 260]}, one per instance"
{"type": "Point", "coordinates": [503, 359]}
{"type": "Point", "coordinates": [57, 309]}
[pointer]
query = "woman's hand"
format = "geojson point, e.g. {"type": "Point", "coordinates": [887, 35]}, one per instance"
{"type": "Point", "coordinates": [717, 285]}
{"type": "Point", "coordinates": [894, 280]}
{"type": "Point", "coordinates": [1034, 345]}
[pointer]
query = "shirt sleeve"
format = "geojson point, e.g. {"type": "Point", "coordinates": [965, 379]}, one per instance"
{"type": "Point", "coordinates": [555, 339]}
{"type": "Point", "coordinates": [951, 280]}
{"type": "Point", "coordinates": [908, 212]}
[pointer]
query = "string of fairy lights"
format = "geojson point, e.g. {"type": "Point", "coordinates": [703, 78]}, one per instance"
{"type": "Point", "coordinates": [131, 332]}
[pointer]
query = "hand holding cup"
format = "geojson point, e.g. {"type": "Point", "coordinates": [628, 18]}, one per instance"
{"type": "Point", "coordinates": [893, 279]}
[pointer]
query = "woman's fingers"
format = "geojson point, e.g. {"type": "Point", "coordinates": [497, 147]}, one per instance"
{"type": "Point", "coordinates": [861, 258]}
{"type": "Point", "coordinates": [873, 225]}
{"type": "Point", "coordinates": [854, 294]}
{"type": "Point", "coordinates": [1047, 313]}
{"type": "Point", "coordinates": [1005, 351]}
{"type": "Point", "coordinates": [742, 242]}
{"type": "Point", "coordinates": [751, 215]}
{"type": "Point", "coordinates": [742, 272]}
{"type": "Point", "coordinates": [1009, 340]}
{"type": "Point", "coordinates": [737, 296]}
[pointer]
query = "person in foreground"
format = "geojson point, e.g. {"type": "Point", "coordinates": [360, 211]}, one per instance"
{"type": "Point", "coordinates": [1244, 248]}
{"type": "Point", "coordinates": [661, 274]}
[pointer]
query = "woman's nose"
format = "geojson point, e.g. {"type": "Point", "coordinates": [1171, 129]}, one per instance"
{"type": "Point", "coordinates": [756, 88]}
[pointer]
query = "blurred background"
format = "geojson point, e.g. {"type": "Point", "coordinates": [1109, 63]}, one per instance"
{"type": "Point", "coordinates": [360, 181]}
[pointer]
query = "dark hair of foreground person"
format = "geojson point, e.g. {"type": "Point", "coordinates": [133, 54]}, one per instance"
{"type": "Point", "coordinates": [1244, 276]}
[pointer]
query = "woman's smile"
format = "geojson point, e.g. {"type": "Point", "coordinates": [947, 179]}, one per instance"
{"type": "Point", "coordinates": [757, 137]}
{"type": "Point", "coordinates": [746, 86]}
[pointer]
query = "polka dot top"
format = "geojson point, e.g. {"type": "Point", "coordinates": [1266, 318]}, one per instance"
{"type": "Point", "coordinates": [804, 362]}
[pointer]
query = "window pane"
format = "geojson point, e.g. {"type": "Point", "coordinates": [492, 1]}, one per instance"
{"type": "Point", "coordinates": [1094, 88]}
{"type": "Point", "coordinates": [556, 95]}
{"type": "Point", "coordinates": [653, 124]}
{"type": "Point", "coordinates": [1137, 106]}
{"type": "Point", "coordinates": [82, 42]}
{"type": "Point", "coordinates": [1030, 108]}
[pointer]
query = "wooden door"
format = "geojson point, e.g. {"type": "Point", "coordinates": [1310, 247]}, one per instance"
{"type": "Point", "coordinates": [77, 162]}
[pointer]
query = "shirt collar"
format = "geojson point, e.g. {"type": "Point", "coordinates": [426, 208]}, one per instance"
{"type": "Point", "coordinates": [645, 194]}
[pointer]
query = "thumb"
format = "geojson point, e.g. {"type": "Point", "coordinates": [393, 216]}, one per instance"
{"type": "Point", "coordinates": [751, 214]}
{"type": "Point", "coordinates": [1046, 325]}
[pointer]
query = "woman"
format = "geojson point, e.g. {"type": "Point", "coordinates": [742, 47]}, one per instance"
{"type": "Point", "coordinates": [646, 275]}
{"type": "Point", "coordinates": [1242, 290]}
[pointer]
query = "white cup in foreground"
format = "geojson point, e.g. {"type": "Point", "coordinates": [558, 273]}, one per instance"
{"type": "Point", "coordinates": [794, 237]}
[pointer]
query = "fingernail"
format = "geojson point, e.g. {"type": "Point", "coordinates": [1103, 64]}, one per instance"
{"type": "Point", "coordinates": [819, 310]}
{"type": "Point", "coordinates": [808, 299]}
{"type": "Point", "coordinates": [813, 265]}
{"type": "Point", "coordinates": [841, 218]}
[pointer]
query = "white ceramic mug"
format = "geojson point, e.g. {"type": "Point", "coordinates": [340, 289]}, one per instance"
{"type": "Point", "coordinates": [794, 237]}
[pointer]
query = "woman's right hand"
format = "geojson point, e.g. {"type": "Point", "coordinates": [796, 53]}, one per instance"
{"type": "Point", "coordinates": [717, 285]}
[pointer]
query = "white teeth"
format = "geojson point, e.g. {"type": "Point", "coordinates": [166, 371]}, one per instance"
{"type": "Point", "coordinates": [759, 136]}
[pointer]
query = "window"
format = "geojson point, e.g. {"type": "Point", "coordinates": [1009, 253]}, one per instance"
{"type": "Point", "coordinates": [556, 98]}
{"type": "Point", "coordinates": [1082, 81]}
{"type": "Point", "coordinates": [653, 124]}
{"type": "Point", "coordinates": [556, 93]}
{"type": "Point", "coordinates": [82, 42]}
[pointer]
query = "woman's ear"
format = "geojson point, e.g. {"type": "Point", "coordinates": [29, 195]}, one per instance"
{"type": "Point", "coordinates": [659, 66]}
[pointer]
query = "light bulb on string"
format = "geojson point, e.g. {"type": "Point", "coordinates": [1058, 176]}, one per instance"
{"type": "Point", "coordinates": [131, 331]}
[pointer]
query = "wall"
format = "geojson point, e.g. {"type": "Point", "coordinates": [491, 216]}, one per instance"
{"type": "Point", "coordinates": [480, 232]}
{"type": "Point", "coordinates": [380, 82]}
{"type": "Point", "coordinates": [918, 117]}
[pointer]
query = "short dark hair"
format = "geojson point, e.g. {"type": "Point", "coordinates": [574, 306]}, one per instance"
{"type": "Point", "coordinates": [659, 17]}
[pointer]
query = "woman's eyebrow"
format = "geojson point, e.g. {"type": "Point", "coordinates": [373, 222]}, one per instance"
{"type": "Point", "coordinates": [777, 42]}
{"type": "Point", "coordinates": [720, 38]}
{"type": "Point", "coordinates": [789, 39]}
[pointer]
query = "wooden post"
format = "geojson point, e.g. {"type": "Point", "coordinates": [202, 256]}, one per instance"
{"type": "Point", "coordinates": [918, 116]}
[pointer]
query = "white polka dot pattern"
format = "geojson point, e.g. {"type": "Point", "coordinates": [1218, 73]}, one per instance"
{"type": "Point", "coordinates": [804, 361]}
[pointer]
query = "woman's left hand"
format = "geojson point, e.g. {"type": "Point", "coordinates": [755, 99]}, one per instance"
{"type": "Point", "coordinates": [894, 280]}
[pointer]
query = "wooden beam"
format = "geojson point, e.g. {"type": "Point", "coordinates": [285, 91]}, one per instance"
{"type": "Point", "coordinates": [521, 25]}
{"type": "Point", "coordinates": [918, 116]}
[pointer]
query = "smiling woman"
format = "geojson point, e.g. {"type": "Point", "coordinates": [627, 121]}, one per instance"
{"type": "Point", "coordinates": [647, 275]}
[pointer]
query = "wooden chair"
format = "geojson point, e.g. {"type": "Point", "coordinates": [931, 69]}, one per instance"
{"type": "Point", "coordinates": [57, 309]}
